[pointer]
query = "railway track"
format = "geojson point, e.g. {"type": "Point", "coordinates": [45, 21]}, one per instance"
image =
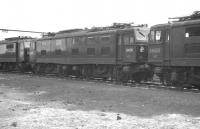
{"type": "Point", "coordinates": [145, 85]}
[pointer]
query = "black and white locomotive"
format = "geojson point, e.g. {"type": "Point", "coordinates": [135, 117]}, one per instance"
{"type": "Point", "coordinates": [118, 52]}
{"type": "Point", "coordinates": [122, 52]}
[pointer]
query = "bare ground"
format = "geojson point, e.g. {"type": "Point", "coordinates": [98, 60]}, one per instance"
{"type": "Point", "coordinates": [32, 102]}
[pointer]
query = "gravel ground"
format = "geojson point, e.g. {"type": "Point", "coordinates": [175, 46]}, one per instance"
{"type": "Point", "coordinates": [33, 102]}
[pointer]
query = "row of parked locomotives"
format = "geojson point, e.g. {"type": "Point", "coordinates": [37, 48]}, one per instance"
{"type": "Point", "coordinates": [118, 52]}
{"type": "Point", "coordinates": [174, 50]}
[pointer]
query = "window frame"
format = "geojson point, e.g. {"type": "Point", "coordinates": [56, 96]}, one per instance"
{"type": "Point", "coordinates": [93, 51]}
{"type": "Point", "coordinates": [76, 53]}
{"type": "Point", "coordinates": [152, 36]}
{"type": "Point", "coordinates": [160, 35]}
{"type": "Point", "coordinates": [107, 53]}
{"type": "Point", "coordinates": [192, 30]}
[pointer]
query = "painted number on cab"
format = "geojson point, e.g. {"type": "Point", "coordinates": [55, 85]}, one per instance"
{"type": "Point", "coordinates": [154, 50]}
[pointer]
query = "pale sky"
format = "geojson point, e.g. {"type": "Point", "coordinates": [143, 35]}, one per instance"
{"type": "Point", "coordinates": [56, 15]}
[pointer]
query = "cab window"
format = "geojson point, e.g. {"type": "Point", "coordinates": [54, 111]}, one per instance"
{"type": "Point", "coordinates": [158, 35]}
{"type": "Point", "coordinates": [119, 39]}
{"type": "Point", "coordinates": [192, 31]}
{"type": "Point", "coordinates": [27, 44]}
{"type": "Point", "coordinates": [141, 34]}
{"type": "Point", "coordinates": [60, 44]}
{"type": "Point", "coordinates": [126, 39]}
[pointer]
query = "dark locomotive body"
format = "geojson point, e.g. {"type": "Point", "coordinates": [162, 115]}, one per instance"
{"type": "Point", "coordinates": [108, 53]}
{"type": "Point", "coordinates": [174, 51]}
{"type": "Point", "coordinates": [15, 53]}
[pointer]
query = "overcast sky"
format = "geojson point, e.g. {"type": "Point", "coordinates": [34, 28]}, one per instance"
{"type": "Point", "coordinates": [56, 15]}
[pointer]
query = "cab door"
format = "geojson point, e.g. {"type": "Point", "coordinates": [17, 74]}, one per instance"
{"type": "Point", "coordinates": [32, 51]}
{"type": "Point", "coordinates": [141, 47]}
{"type": "Point", "coordinates": [156, 46]}
{"type": "Point", "coordinates": [128, 47]}
{"type": "Point", "coordinates": [159, 46]}
{"type": "Point", "coordinates": [24, 51]}
{"type": "Point", "coordinates": [20, 51]}
{"type": "Point", "coordinates": [166, 46]}
{"type": "Point", "coordinates": [27, 51]}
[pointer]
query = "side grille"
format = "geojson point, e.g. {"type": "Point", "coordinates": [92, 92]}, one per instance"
{"type": "Point", "coordinates": [192, 48]}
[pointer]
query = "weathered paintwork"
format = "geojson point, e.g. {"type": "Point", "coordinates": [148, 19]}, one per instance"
{"type": "Point", "coordinates": [178, 49]}
{"type": "Point", "coordinates": [99, 47]}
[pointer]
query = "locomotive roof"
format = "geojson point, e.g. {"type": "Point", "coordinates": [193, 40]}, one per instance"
{"type": "Point", "coordinates": [15, 40]}
{"type": "Point", "coordinates": [178, 24]}
{"type": "Point", "coordinates": [90, 33]}
{"type": "Point", "coordinates": [193, 19]}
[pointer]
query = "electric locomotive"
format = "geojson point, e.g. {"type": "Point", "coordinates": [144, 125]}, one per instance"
{"type": "Point", "coordinates": [174, 50]}
{"type": "Point", "coordinates": [15, 54]}
{"type": "Point", "coordinates": [117, 52]}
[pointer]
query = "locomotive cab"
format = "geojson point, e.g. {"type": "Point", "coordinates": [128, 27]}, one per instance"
{"type": "Point", "coordinates": [132, 45]}
{"type": "Point", "coordinates": [24, 50]}
{"type": "Point", "coordinates": [133, 54]}
{"type": "Point", "coordinates": [25, 54]}
{"type": "Point", "coordinates": [174, 50]}
{"type": "Point", "coordinates": [159, 38]}
{"type": "Point", "coordinates": [141, 44]}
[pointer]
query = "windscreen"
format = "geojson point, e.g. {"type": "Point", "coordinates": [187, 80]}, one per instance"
{"type": "Point", "coordinates": [141, 34]}
{"type": "Point", "coordinates": [27, 44]}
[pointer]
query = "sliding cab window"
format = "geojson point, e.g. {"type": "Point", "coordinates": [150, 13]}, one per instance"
{"type": "Point", "coordinates": [192, 31]}
{"type": "Point", "coordinates": [141, 34]}
{"type": "Point", "coordinates": [161, 36]}
{"type": "Point", "coordinates": [158, 36]}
